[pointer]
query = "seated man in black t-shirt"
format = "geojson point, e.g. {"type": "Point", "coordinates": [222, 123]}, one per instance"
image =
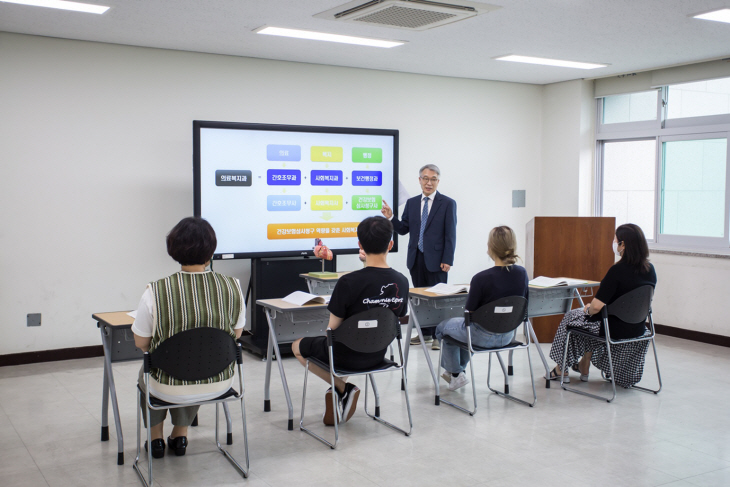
{"type": "Point", "coordinates": [375, 285]}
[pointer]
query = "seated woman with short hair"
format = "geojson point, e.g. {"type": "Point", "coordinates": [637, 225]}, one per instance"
{"type": "Point", "coordinates": [632, 271]}
{"type": "Point", "coordinates": [503, 280]}
{"type": "Point", "coordinates": [190, 298]}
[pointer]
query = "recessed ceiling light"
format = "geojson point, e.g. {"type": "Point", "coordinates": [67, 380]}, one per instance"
{"type": "Point", "coordinates": [322, 36]}
{"type": "Point", "coordinates": [550, 62]}
{"type": "Point", "coordinates": [62, 4]}
{"type": "Point", "coordinates": [722, 15]}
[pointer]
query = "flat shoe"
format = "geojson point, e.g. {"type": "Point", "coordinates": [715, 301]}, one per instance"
{"type": "Point", "coordinates": [178, 445]}
{"type": "Point", "coordinates": [583, 378]}
{"type": "Point", "coordinates": [158, 448]}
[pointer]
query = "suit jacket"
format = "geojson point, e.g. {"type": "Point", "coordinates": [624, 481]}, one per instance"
{"type": "Point", "coordinates": [439, 237]}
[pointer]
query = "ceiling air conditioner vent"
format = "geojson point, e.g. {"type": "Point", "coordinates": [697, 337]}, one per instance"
{"type": "Point", "coordinates": [406, 14]}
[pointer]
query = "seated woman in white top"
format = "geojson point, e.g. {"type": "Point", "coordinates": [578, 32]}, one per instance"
{"type": "Point", "coordinates": [187, 299]}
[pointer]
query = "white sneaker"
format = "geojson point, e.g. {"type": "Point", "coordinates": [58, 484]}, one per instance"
{"type": "Point", "coordinates": [458, 382]}
{"type": "Point", "coordinates": [447, 377]}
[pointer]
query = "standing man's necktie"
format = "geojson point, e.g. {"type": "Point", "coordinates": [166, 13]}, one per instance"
{"type": "Point", "coordinates": [424, 217]}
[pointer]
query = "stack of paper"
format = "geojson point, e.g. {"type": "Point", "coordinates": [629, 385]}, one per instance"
{"type": "Point", "coordinates": [443, 288]}
{"type": "Point", "coordinates": [300, 298]}
{"type": "Point", "coordinates": [543, 281]}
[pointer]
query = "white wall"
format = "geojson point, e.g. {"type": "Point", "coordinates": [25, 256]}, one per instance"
{"type": "Point", "coordinates": [97, 162]}
{"type": "Point", "coordinates": [691, 292]}
{"type": "Point", "coordinates": [567, 155]}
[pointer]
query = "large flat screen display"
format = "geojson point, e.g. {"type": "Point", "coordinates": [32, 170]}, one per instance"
{"type": "Point", "coordinates": [272, 190]}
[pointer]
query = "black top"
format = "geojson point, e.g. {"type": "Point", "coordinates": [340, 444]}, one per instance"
{"type": "Point", "coordinates": [497, 282]}
{"type": "Point", "coordinates": [364, 289]}
{"type": "Point", "coordinates": [620, 279]}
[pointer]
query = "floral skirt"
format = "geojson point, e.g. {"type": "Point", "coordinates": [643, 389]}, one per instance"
{"type": "Point", "coordinates": [628, 358]}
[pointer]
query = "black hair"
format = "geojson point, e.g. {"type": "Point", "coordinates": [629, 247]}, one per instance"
{"type": "Point", "coordinates": [374, 234]}
{"type": "Point", "coordinates": [192, 241]}
{"type": "Point", "coordinates": [636, 250]}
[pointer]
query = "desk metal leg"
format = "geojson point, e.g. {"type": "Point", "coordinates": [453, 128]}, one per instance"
{"type": "Point", "coordinates": [111, 389]}
{"type": "Point", "coordinates": [273, 342]}
{"type": "Point", "coordinates": [533, 337]}
{"type": "Point", "coordinates": [267, 377]}
{"type": "Point", "coordinates": [414, 319]}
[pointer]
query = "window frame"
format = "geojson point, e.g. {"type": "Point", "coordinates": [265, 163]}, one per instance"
{"type": "Point", "coordinates": [665, 130]}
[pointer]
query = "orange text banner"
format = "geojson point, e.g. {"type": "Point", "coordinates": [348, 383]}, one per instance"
{"type": "Point", "coordinates": [280, 231]}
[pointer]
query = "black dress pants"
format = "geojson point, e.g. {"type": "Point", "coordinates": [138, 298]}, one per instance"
{"type": "Point", "coordinates": [422, 277]}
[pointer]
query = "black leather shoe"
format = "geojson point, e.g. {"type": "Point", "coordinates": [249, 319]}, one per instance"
{"type": "Point", "coordinates": [158, 448]}
{"type": "Point", "coordinates": [178, 445]}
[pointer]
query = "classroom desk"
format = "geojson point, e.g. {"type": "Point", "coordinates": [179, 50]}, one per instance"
{"type": "Point", "coordinates": [321, 285]}
{"type": "Point", "coordinates": [287, 323]}
{"type": "Point", "coordinates": [429, 309]}
{"type": "Point", "coordinates": [117, 341]}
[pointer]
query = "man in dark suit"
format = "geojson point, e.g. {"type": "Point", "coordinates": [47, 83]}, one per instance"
{"type": "Point", "coordinates": [430, 219]}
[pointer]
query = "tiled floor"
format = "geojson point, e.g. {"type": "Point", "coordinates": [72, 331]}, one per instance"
{"type": "Point", "coordinates": [50, 422]}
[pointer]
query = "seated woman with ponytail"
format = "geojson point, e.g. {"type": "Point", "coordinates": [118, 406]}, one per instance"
{"type": "Point", "coordinates": [503, 280]}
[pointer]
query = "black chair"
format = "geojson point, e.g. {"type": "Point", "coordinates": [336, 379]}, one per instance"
{"type": "Point", "coordinates": [501, 316]}
{"type": "Point", "coordinates": [194, 354]}
{"type": "Point", "coordinates": [633, 307]}
{"type": "Point", "coordinates": [369, 331]}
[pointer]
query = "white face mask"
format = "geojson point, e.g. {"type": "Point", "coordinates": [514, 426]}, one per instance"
{"type": "Point", "coordinates": [615, 248]}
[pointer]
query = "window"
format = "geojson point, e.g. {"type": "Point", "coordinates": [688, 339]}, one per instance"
{"type": "Point", "coordinates": [699, 99]}
{"type": "Point", "coordinates": [693, 187]}
{"type": "Point", "coordinates": [634, 107]}
{"type": "Point", "coordinates": [664, 166]}
{"type": "Point", "coordinates": [629, 181]}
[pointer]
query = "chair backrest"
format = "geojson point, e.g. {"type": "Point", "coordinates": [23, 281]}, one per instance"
{"type": "Point", "coordinates": [368, 331]}
{"type": "Point", "coordinates": [195, 354]}
{"type": "Point", "coordinates": [500, 316]}
{"type": "Point", "coordinates": [632, 307]}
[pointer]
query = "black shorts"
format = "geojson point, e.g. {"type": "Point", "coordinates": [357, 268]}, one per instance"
{"type": "Point", "coordinates": [345, 358]}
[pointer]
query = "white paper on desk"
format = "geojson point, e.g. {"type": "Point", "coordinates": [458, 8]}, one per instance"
{"type": "Point", "coordinates": [133, 314]}
{"type": "Point", "coordinates": [543, 281]}
{"type": "Point", "coordinates": [443, 288]}
{"type": "Point", "coordinates": [300, 298]}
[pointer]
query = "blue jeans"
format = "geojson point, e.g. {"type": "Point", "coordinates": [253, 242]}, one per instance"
{"type": "Point", "coordinates": [454, 359]}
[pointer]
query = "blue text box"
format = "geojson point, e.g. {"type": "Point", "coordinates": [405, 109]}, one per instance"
{"type": "Point", "coordinates": [283, 202]}
{"type": "Point", "coordinates": [275, 152]}
{"type": "Point", "coordinates": [367, 178]}
{"type": "Point", "coordinates": [283, 177]}
{"type": "Point", "coordinates": [326, 178]}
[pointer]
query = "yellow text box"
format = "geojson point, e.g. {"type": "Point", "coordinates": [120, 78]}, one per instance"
{"type": "Point", "coordinates": [326, 154]}
{"type": "Point", "coordinates": [283, 231]}
{"type": "Point", "coordinates": [326, 202]}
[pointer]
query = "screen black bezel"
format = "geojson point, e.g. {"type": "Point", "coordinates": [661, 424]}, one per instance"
{"type": "Point", "coordinates": [200, 124]}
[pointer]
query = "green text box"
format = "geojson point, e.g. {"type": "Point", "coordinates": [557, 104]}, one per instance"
{"type": "Point", "coordinates": [367, 154]}
{"type": "Point", "coordinates": [326, 154]}
{"type": "Point", "coordinates": [367, 202]}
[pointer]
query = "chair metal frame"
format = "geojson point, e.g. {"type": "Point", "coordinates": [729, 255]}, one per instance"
{"type": "Point", "coordinates": [384, 316]}
{"type": "Point", "coordinates": [156, 404]}
{"type": "Point", "coordinates": [644, 293]}
{"type": "Point", "coordinates": [520, 318]}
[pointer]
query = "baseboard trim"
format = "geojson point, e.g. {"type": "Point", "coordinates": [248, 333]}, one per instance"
{"type": "Point", "coordinates": [51, 355]}
{"type": "Point", "coordinates": [696, 336]}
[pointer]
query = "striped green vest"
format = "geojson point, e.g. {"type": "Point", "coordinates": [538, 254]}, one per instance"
{"type": "Point", "coordinates": [184, 301]}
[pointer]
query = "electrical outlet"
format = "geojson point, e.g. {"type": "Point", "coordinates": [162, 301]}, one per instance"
{"type": "Point", "coordinates": [34, 319]}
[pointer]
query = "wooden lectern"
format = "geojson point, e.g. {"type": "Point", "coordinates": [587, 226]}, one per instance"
{"type": "Point", "coordinates": [577, 247]}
